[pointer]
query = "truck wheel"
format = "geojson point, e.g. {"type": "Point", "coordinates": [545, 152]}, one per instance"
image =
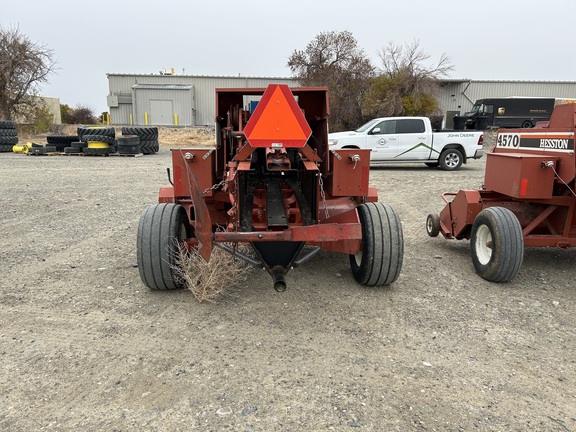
{"type": "Point", "coordinates": [380, 261]}
{"type": "Point", "coordinates": [160, 229]}
{"type": "Point", "coordinates": [497, 244]}
{"type": "Point", "coordinates": [433, 225]}
{"type": "Point", "coordinates": [450, 159]}
{"type": "Point", "coordinates": [527, 124]}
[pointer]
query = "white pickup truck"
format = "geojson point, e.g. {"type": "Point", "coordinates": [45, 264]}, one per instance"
{"type": "Point", "coordinates": [411, 139]}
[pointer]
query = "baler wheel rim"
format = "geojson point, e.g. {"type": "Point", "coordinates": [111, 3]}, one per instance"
{"type": "Point", "coordinates": [433, 225]}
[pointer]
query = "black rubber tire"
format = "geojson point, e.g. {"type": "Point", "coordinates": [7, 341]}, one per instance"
{"type": "Point", "coordinates": [526, 124]}
{"type": "Point", "coordinates": [98, 138]}
{"type": "Point", "coordinates": [7, 124]}
{"type": "Point", "coordinates": [497, 244]}
{"type": "Point", "coordinates": [451, 159]}
{"type": "Point", "coordinates": [433, 225]}
{"type": "Point", "coordinates": [8, 132]}
{"type": "Point", "coordinates": [73, 150]}
{"type": "Point", "coordinates": [129, 140]}
{"type": "Point", "coordinates": [149, 147]}
{"type": "Point", "coordinates": [79, 145]}
{"type": "Point", "coordinates": [5, 148]}
{"type": "Point", "coordinates": [380, 261]}
{"type": "Point", "coordinates": [432, 164]}
{"type": "Point", "coordinates": [61, 139]}
{"type": "Point", "coordinates": [161, 226]}
{"type": "Point", "coordinates": [96, 130]}
{"type": "Point", "coordinates": [128, 150]}
{"type": "Point", "coordinates": [146, 133]}
{"type": "Point", "coordinates": [96, 151]}
{"type": "Point", "coordinates": [9, 140]}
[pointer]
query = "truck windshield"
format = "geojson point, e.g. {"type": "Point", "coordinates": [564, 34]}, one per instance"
{"type": "Point", "coordinates": [367, 126]}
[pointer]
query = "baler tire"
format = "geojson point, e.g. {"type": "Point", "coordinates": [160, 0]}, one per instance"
{"type": "Point", "coordinates": [72, 150]}
{"type": "Point", "coordinates": [160, 229]}
{"type": "Point", "coordinates": [432, 164]}
{"type": "Point", "coordinates": [433, 225]}
{"type": "Point", "coordinates": [497, 244]}
{"type": "Point", "coordinates": [451, 159]}
{"type": "Point", "coordinates": [380, 261]}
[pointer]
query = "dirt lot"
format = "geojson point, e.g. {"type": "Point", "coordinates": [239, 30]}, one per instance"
{"type": "Point", "coordinates": [86, 347]}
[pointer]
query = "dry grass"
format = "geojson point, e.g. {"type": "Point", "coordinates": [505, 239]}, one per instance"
{"type": "Point", "coordinates": [213, 280]}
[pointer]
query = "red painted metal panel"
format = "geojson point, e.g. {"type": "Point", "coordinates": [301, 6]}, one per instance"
{"type": "Point", "coordinates": [519, 175]}
{"type": "Point", "coordinates": [200, 162]}
{"type": "Point", "coordinates": [350, 172]}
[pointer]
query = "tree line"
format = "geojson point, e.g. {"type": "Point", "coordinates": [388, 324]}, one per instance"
{"type": "Point", "coordinates": [358, 91]}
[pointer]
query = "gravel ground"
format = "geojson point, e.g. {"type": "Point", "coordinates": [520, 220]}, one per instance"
{"type": "Point", "coordinates": [86, 347]}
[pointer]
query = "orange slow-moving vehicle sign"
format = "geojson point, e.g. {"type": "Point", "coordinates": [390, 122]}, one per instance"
{"type": "Point", "coordinates": [277, 121]}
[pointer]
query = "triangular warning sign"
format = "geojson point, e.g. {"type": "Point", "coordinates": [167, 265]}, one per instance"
{"type": "Point", "coordinates": [277, 120]}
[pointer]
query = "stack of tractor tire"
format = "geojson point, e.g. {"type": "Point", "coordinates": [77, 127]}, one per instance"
{"type": "Point", "coordinates": [8, 135]}
{"type": "Point", "coordinates": [129, 145]}
{"type": "Point", "coordinates": [100, 140]}
{"type": "Point", "coordinates": [148, 136]}
{"type": "Point", "coordinates": [61, 141]}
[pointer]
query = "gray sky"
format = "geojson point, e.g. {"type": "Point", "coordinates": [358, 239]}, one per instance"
{"type": "Point", "coordinates": [488, 39]}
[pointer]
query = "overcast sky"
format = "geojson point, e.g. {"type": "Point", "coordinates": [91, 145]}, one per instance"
{"type": "Point", "coordinates": [489, 39]}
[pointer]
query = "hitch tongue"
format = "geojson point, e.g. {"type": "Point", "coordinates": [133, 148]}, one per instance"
{"type": "Point", "coordinates": [278, 278]}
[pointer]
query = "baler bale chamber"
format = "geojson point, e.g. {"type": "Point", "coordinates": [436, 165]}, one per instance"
{"type": "Point", "coordinates": [272, 182]}
{"type": "Point", "coordinates": [528, 198]}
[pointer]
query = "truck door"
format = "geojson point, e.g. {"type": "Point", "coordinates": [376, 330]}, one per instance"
{"type": "Point", "coordinates": [414, 142]}
{"type": "Point", "coordinates": [383, 140]}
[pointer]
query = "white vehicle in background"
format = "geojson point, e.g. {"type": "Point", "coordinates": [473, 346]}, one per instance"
{"type": "Point", "coordinates": [411, 139]}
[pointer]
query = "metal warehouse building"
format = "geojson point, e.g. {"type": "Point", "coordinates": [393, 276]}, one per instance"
{"type": "Point", "coordinates": [182, 100]}
{"type": "Point", "coordinates": [188, 100]}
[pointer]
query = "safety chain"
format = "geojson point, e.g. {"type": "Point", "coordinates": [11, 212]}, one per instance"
{"type": "Point", "coordinates": [323, 195]}
{"type": "Point", "coordinates": [216, 186]}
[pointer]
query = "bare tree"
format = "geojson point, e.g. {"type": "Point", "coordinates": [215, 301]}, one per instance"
{"type": "Point", "coordinates": [333, 59]}
{"type": "Point", "coordinates": [24, 67]}
{"type": "Point", "coordinates": [405, 84]}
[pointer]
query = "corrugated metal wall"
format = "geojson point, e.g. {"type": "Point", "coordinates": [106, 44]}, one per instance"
{"type": "Point", "coordinates": [126, 100]}
{"type": "Point", "coordinates": [130, 96]}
